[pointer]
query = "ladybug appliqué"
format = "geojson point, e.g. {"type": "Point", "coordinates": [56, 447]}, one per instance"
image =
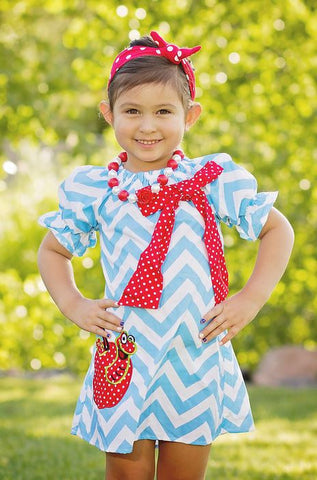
{"type": "Point", "coordinates": [113, 369]}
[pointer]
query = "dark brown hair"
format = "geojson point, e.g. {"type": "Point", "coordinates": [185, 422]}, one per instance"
{"type": "Point", "coordinates": [149, 69]}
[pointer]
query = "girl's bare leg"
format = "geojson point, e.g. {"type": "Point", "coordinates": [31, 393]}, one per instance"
{"type": "Point", "coordinates": [178, 461]}
{"type": "Point", "coordinates": [138, 465]}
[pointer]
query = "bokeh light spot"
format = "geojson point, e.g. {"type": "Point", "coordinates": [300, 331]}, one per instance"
{"type": "Point", "coordinates": [122, 11]}
{"type": "Point", "coordinates": [140, 13]}
{"type": "Point", "coordinates": [234, 57]}
{"type": "Point", "coordinates": [9, 167]}
{"type": "Point", "coordinates": [221, 77]}
{"type": "Point", "coordinates": [36, 364]}
{"type": "Point", "coordinates": [304, 184]}
{"type": "Point", "coordinates": [279, 25]}
{"type": "Point", "coordinates": [134, 34]}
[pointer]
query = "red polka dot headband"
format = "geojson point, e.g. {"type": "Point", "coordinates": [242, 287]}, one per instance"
{"type": "Point", "coordinates": [172, 52]}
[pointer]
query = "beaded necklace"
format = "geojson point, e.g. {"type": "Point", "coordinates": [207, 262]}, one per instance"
{"type": "Point", "coordinates": [161, 180]}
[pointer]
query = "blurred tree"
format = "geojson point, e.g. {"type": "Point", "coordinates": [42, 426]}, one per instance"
{"type": "Point", "coordinates": [256, 81]}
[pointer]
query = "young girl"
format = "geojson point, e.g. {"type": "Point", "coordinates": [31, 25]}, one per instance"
{"type": "Point", "coordinates": [163, 369]}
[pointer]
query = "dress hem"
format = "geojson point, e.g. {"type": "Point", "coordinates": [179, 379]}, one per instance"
{"type": "Point", "coordinates": [152, 437]}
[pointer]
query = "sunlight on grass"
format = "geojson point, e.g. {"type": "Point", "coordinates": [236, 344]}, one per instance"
{"type": "Point", "coordinates": [35, 420]}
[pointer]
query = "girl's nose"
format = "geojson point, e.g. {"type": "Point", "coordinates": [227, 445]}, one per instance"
{"type": "Point", "coordinates": [147, 124]}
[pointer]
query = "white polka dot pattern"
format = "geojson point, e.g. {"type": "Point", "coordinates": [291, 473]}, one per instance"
{"type": "Point", "coordinates": [146, 284]}
{"type": "Point", "coordinates": [172, 52]}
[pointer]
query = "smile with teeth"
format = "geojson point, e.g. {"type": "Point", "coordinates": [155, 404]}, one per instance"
{"type": "Point", "coordinates": [148, 142]}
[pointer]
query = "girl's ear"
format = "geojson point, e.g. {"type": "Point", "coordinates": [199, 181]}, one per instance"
{"type": "Point", "coordinates": [192, 115]}
{"type": "Point", "coordinates": [106, 111]}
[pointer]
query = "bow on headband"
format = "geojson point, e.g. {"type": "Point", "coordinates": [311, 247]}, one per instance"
{"type": "Point", "coordinates": [172, 52]}
{"type": "Point", "coordinates": [146, 284]}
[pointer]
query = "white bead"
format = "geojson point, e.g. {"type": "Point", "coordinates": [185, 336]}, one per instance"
{"type": "Point", "coordinates": [117, 160]}
{"type": "Point", "coordinates": [116, 190]}
{"type": "Point", "coordinates": [177, 158]}
{"type": "Point", "coordinates": [132, 198]}
{"type": "Point", "coordinates": [112, 174]}
{"type": "Point", "coordinates": [168, 171]}
{"type": "Point", "coordinates": [155, 188]}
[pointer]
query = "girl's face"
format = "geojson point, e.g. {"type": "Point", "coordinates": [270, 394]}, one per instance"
{"type": "Point", "coordinates": [149, 123]}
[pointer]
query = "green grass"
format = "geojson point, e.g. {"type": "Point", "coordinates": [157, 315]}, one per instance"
{"type": "Point", "coordinates": [35, 419]}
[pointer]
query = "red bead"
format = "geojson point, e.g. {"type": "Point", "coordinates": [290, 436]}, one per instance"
{"type": "Point", "coordinates": [113, 166]}
{"type": "Point", "coordinates": [123, 195]}
{"type": "Point", "coordinates": [113, 182]}
{"type": "Point", "coordinates": [162, 179]}
{"type": "Point", "coordinates": [123, 156]}
{"type": "Point", "coordinates": [172, 164]}
{"type": "Point", "coordinates": [179, 152]}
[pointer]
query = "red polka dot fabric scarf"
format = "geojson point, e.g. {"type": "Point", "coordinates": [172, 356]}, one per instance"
{"type": "Point", "coordinates": [146, 284]}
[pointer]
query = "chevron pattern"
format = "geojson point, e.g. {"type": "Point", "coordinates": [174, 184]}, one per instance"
{"type": "Point", "coordinates": [181, 389]}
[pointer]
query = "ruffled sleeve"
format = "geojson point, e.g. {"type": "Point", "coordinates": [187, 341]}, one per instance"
{"type": "Point", "coordinates": [74, 224]}
{"type": "Point", "coordinates": [236, 201]}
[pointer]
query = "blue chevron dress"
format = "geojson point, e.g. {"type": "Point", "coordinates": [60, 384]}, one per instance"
{"type": "Point", "coordinates": [172, 387]}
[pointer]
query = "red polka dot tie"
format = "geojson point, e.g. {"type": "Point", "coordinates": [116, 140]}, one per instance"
{"type": "Point", "coordinates": [146, 284]}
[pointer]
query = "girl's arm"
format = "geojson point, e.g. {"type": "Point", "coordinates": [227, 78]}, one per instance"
{"type": "Point", "coordinates": [57, 273]}
{"type": "Point", "coordinates": [276, 243]}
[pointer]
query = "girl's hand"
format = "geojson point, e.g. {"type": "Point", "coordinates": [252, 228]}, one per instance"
{"type": "Point", "coordinates": [233, 314]}
{"type": "Point", "coordinates": [57, 273]}
{"type": "Point", "coordinates": [92, 315]}
{"type": "Point", "coordinates": [276, 242]}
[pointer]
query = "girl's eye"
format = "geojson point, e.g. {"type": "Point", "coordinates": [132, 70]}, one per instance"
{"type": "Point", "coordinates": [132, 111]}
{"type": "Point", "coordinates": [163, 111]}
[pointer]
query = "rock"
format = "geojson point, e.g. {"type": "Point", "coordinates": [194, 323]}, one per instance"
{"type": "Point", "coordinates": [290, 365]}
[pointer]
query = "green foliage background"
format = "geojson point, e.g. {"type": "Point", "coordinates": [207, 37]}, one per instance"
{"type": "Point", "coordinates": [260, 107]}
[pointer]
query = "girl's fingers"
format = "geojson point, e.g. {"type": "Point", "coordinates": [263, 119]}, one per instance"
{"type": "Point", "coordinates": [109, 317]}
{"type": "Point", "coordinates": [107, 303]}
{"type": "Point", "coordinates": [98, 325]}
{"type": "Point", "coordinates": [99, 331]}
{"type": "Point", "coordinates": [213, 330]}
{"type": "Point", "coordinates": [99, 319]}
{"type": "Point", "coordinates": [214, 312]}
{"type": "Point", "coordinates": [232, 327]}
{"type": "Point", "coordinates": [109, 326]}
{"type": "Point", "coordinates": [228, 337]}
{"type": "Point", "coordinates": [214, 324]}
